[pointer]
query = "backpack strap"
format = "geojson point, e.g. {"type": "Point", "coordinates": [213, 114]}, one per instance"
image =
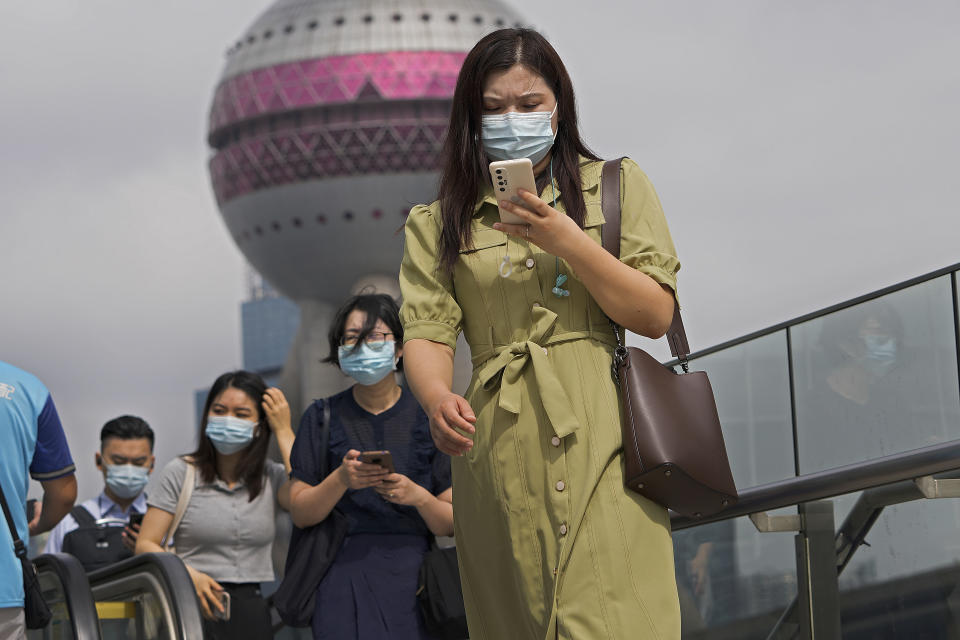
{"type": "Point", "coordinates": [84, 518]}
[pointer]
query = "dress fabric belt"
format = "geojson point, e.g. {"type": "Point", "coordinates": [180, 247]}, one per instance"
{"type": "Point", "coordinates": [505, 365]}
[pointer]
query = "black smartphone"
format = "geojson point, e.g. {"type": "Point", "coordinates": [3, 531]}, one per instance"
{"type": "Point", "coordinates": [136, 519]}
{"type": "Point", "coordinates": [382, 458]}
{"type": "Point", "coordinates": [31, 509]}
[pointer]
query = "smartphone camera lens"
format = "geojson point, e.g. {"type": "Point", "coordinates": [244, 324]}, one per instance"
{"type": "Point", "coordinates": [502, 189]}
{"type": "Point", "coordinates": [499, 171]}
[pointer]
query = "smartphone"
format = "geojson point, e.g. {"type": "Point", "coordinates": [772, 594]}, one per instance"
{"type": "Point", "coordinates": [31, 509]}
{"type": "Point", "coordinates": [225, 601]}
{"type": "Point", "coordinates": [136, 518]}
{"type": "Point", "coordinates": [382, 458]}
{"type": "Point", "coordinates": [508, 176]}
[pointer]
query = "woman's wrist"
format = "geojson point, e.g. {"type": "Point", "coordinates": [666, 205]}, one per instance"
{"type": "Point", "coordinates": [423, 497]}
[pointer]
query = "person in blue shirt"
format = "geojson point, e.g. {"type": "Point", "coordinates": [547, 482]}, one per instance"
{"type": "Point", "coordinates": [126, 460]}
{"type": "Point", "coordinates": [369, 592]}
{"type": "Point", "coordinates": [32, 444]}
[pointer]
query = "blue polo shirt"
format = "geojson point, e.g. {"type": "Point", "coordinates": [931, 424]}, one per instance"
{"type": "Point", "coordinates": [31, 440]}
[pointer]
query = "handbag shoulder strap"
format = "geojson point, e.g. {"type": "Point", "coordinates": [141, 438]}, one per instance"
{"type": "Point", "coordinates": [18, 547]}
{"type": "Point", "coordinates": [610, 205]}
{"type": "Point", "coordinates": [186, 491]}
{"type": "Point", "coordinates": [324, 435]}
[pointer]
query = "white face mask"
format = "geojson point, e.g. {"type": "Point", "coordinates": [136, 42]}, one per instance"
{"type": "Point", "coordinates": [513, 135]}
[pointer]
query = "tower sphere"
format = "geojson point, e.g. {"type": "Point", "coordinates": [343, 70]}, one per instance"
{"type": "Point", "coordinates": [326, 127]}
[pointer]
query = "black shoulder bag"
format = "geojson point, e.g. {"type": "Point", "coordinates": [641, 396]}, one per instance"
{"type": "Point", "coordinates": [35, 608]}
{"type": "Point", "coordinates": [312, 550]}
{"type": "Point", "coordinates": [440, 595]}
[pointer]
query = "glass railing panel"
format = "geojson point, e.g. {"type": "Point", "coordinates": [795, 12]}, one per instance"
{"type": "Point", "coordinates": [67, 593]}
{"type": "Point", "coordinates": [906, 583]}
{"type": "Point", "coordinates": [733, 581]}
{"type": "Point", "coordinates": [61, 625]}
{"type": "Point", "coordinates": [147, 597]}
{"type": "Point", "coordinates": [751, 385]}
{"type": "Point", "coordinates": [877, 378]}
{"type": "Point", "coordinates": [134, 608]}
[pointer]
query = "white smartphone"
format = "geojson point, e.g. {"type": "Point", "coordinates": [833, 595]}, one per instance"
{"type": "Point", "coordinates": [508, 176]}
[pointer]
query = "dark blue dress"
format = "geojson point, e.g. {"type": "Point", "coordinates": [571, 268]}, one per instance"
{"type": "Point", "coordinates": [369, 593]}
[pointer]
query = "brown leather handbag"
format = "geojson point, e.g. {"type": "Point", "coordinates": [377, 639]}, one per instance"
{"type": "Point", "coordinates": [672, 442]}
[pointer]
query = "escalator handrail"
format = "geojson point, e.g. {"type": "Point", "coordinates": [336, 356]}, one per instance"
{"type": "Point", "coordinates": [175, 580]}
{"type": "Point", "coordinates": [849, 478]}
{"type": "Point", "coordinates": [76, 593]}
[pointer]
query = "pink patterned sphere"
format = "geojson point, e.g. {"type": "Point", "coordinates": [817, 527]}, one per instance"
{"type": "Point", "coordinates": [326, 127]}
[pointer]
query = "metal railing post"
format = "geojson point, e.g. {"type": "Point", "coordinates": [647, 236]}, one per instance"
{"type": "Point", "coordinates": [819, 592]}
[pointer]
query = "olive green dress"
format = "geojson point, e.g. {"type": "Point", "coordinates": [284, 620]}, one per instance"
{"type": "Point", "coordinates": [551, 545]}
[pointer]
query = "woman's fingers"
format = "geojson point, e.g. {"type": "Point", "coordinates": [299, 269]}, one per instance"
{"type": "Point", "coordinates": [532, 202]}
{"type": "Point", "coordinates": [519, 230]}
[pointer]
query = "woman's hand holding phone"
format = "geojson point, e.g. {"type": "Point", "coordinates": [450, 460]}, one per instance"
{"type": "Point", "coordinates": [554, 232]}
{"type": "Point", "coordinates": [450, 414]}
{"type": "Point", "coordinates": [209, 592]}
{"type": "Point", "coordinates": [360, 475]}
{"type": "Point", "coordinates": [399, 489]}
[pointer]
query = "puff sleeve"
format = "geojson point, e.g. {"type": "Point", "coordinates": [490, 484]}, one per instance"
{"type": "Point", "coordinates": [430, 310]}
{"type": "Point", "coordinates": [645, 242]}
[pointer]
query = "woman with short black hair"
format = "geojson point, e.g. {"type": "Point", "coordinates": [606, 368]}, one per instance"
{"type": "Point", "coordinates": [369, 592]}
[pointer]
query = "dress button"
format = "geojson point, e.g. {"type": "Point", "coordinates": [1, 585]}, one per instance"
{"type": "Point", "coordinates": [530, 263]}
{"type": "Point", "coordinates": [544, 350]}
{"type": "Point", "coordinates": [536, 304]}
{"type": "Point", "coordinates": [560, 485]}
{"type": "Point", "coordinates": [555, 441]}
{"type": "Point", "coordinates": [563, 529]}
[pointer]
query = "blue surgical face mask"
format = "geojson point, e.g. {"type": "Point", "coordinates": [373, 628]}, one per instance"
{"type": "Point", "coordinates": [126, 480]}
{"type": "Point", "coordinates": [365, 364]}
{"type": "Point", "coordinates": [229, 434]}
{"type": "Point", "coordinates": [881, 353]}
{"type": "Point", "coordinates": [510, 136]}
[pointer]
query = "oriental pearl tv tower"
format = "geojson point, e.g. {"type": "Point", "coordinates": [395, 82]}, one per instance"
{"type": "Point", "coordinates": [325, 128]}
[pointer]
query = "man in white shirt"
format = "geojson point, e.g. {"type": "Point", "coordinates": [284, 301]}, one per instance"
{"type": "Point", "coordinates": [104, 529]}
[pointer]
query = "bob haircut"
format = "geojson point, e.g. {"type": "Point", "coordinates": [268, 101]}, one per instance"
{"type": "Point", "coordinates": [463, 163]}
{"type": "Point", "coordinates": [376, 306]}
{"type": "Point", "coordinates": [250, 468]}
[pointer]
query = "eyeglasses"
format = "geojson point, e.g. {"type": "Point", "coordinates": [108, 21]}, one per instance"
{"type": "Point", "coordinates": [375, 340]}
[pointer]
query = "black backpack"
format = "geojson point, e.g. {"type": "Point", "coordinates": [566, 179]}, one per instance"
{"type": "Point", "coordinates": [95, 546]}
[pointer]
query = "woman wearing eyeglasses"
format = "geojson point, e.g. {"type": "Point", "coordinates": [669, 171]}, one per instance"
{"type": "Point", "coordinates": [369, 591]}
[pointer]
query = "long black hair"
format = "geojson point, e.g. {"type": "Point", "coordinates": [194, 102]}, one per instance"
{"type": "Point", "coordinates": [463, 162]}
{"type": "Point", "coordinates": [250, 467]}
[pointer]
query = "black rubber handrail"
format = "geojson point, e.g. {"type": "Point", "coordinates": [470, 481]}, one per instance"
{"type": "Point", "coordinates": [850, 478]}
{"type": "Point", "coordinates": [173, 575]}
{"type": "Point", "coordinates": [81, 607]}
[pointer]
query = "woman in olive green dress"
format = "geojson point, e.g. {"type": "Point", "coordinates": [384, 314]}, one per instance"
{"type": "Point", "coordinates": [551, 544]}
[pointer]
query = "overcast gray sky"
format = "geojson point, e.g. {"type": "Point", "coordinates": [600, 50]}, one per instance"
{"type": "Point", "coordinates": [805, 153]}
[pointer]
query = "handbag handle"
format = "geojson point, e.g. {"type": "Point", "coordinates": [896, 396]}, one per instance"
{"type": "Point", "coordinates": [610, 235]}
{"type": "Point", "coordinates": [186, 491]}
